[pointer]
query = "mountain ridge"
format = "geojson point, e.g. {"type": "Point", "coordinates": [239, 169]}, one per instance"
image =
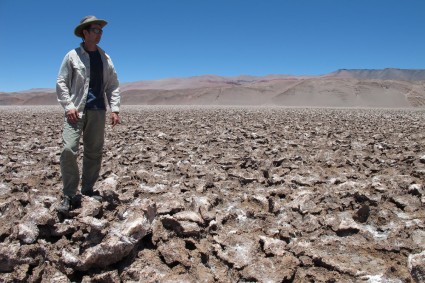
{"type": "Point", "coordinates": [382, 74]}
{"type": "Point", "coordinates": [389, 87]}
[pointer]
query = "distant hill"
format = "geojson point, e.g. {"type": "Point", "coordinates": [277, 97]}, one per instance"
{"type": "Point", "coordinates": [391, 88]}
{"type": "Point", "coordinates": [204, 81]}
{"type": "Point", "coordinates": [384, 74]}
{"type": "Point", "coordinates": [29, 97]}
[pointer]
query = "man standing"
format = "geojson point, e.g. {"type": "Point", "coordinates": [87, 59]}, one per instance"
{"type": "Point", "coordinates": [87, 76]}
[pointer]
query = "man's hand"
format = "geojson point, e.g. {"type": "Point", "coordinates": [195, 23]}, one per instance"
{"type": "Point", "coordinates": [115, 119]}
{"type": "Point", "coordinates": [72, 116]}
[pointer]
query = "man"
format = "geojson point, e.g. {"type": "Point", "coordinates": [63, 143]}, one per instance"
{"type": "Point", "coordinates": [86, 76]}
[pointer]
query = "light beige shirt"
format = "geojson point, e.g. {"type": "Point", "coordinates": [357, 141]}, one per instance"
{"type": "Point", "coordinates": [72, 84]}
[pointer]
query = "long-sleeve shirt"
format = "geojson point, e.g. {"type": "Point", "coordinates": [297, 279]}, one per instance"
{"type": "Point", "coordinates": [73, 80]}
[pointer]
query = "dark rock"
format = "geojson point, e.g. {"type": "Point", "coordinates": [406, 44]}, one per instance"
{"type": "Point", "coordinates": [362, 214]}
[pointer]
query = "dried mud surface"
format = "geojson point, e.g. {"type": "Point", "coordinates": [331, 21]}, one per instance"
{"type": "Point", "coordinates": [216, 194]}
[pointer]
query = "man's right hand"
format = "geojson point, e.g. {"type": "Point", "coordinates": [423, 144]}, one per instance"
{"type": "Point", "coordinates": [72, 116]}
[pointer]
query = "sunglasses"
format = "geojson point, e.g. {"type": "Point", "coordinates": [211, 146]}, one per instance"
{"type": "Point", "coordinates": [96, 30]}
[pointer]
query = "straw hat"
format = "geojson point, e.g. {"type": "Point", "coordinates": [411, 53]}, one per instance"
{"type": "Point", "coordinates": [88, 20]}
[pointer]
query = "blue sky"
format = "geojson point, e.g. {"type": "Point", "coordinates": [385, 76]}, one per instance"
{"type": "Point", "coordinates": [150, 39]}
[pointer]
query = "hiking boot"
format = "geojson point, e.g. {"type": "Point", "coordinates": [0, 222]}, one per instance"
{"type": "Point", "coordinates": [76, 201]}
{"type": "Point", "coordinates": [65, 205]}
{"type": "Point", "coordinates": [93, 194]}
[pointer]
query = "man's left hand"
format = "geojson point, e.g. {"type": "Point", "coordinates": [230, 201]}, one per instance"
{"type": "Point", "coordinates": [115, 119]}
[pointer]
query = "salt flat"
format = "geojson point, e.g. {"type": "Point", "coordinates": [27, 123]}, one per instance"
{"type": "Point", "coordinates": [220, 194]}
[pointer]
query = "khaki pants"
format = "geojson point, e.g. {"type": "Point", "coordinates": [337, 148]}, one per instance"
{"type": "Point", "coordinates": [92, 126]}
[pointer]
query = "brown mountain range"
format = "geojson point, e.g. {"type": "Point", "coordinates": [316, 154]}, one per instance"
{"type": "Point", "coordinates": [389, 88]}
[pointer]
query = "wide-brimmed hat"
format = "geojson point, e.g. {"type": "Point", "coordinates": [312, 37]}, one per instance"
{"type": "Point", "coordinates": [88, 20]}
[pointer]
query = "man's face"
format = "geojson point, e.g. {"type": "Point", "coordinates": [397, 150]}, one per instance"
{"type": "Point", "coordinates": [94, 34]}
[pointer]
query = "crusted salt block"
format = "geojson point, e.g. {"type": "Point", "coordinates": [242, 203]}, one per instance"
{"type": "Point", "coordinates": [273, 246]}
{"type": "Point", "coordinates": [120, 241]}
{"type": "Point", "coordinates": [239, 250]}
{"type": "Point", "coordinates": [28, 232]}
{"type": "Point", "coordinates": [273, 269]}
{"type": "Point", "coordinates": [190, 216]}
{"type": "Point", "coordinates": [416, 264]}
{"type": "Point", "coordinates": [180, 227]}
{"type": "Point", "coordinates": [174, 251]}
{"type": "Point", "coordinates": [9, 257]}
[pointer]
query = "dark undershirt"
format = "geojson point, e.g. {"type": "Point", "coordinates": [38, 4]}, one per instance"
{"type": "Point", "coordinates": [95, 98]}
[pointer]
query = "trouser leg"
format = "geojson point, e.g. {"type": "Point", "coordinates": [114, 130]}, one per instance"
{"type": "Point", "coordinates": [93, 140]}
{"type": "Point", "coordinates": [68, 160]}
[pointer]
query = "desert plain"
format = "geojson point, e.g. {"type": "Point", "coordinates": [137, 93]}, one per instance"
{"type": "Point", "coordinates": [220, 194]}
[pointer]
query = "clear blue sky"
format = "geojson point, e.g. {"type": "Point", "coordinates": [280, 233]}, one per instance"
{"type": "Point", "coordinates": [154, 39]}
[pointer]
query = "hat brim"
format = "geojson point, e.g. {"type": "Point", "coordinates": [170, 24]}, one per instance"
{"type": "Point", "coordinates": [79, 29]}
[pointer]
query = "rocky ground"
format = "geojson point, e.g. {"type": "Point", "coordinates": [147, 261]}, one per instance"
{"type": "Point", "coordinates": [220, 195]}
